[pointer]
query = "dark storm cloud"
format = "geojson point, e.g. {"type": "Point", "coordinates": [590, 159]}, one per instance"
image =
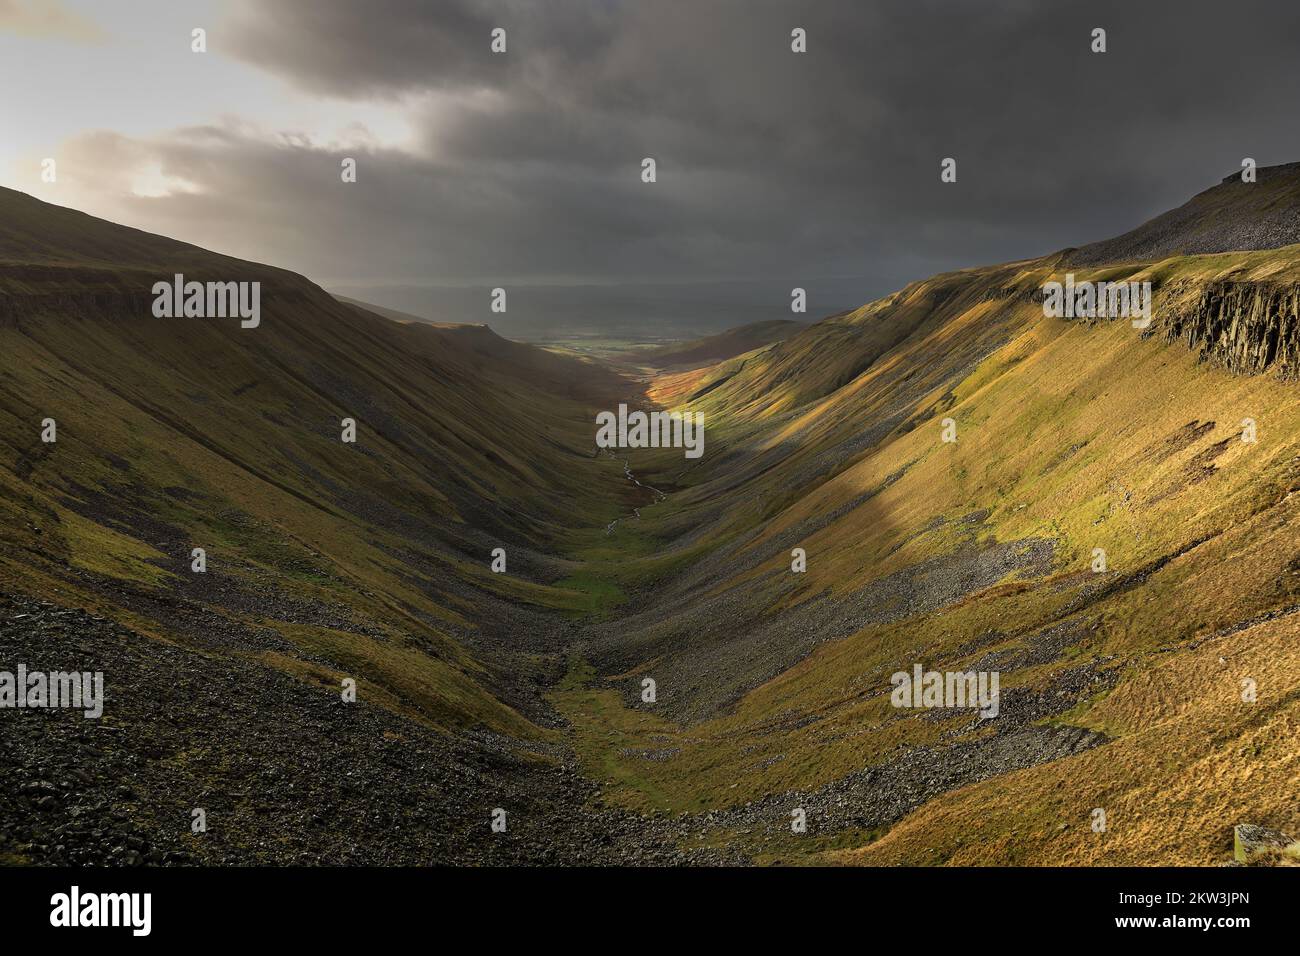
{"type": "Point", "coordinates": [770, 163]}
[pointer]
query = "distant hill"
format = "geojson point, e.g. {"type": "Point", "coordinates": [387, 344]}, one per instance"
{"type": "Point", "coordinates": [531, 362]}
{"type": "Point", "coordinates": [715, 348]}
{"type": "Point", "coordinates": [394, 314]}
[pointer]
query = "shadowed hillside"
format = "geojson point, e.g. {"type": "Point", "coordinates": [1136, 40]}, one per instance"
{"type": "Point", "coordinates": [325, 560]}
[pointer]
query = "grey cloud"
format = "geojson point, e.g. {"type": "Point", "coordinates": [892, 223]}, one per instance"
{"type": "Point", "coordinates": [770, 163]}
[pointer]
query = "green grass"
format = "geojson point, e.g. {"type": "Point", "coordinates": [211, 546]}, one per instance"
{"type": "Point", "coordinates": [601, 596]}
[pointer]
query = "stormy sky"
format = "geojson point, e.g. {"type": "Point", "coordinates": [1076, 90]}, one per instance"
{"type": "Point", "coordinates": [523, 169]}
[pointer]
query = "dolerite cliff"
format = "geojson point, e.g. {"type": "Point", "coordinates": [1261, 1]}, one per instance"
{"type": "Point", "coordinates": [1246, 327]}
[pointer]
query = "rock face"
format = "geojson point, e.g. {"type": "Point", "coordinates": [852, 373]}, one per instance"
{"type": "Point", "coordinates": [1247, 328]}
{"type": "Point", "coordinates": [1250, 842]}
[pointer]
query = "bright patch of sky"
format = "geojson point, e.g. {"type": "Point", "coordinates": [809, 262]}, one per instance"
{"type": "Point", "coordinates": [75, 67]}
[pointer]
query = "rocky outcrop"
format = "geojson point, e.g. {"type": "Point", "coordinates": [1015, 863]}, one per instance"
{"type": "Point", "coordinates": [1255, 844]}
{"type": "Point", "coordinates": [1245, 327]}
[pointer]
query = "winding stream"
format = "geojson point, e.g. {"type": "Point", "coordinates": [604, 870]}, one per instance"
{"type": "Point", "coordinates": [627, 473]}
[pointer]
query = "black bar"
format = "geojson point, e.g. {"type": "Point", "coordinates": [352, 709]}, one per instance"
{"type": "Point", "coordinates": [571, 906]}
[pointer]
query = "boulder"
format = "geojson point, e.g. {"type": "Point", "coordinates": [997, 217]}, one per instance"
{"type": "Point", "coordinates": [1250, 841]}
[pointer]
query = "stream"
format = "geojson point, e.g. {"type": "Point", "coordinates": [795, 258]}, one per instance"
{"type": "Point", "coordinates": [627, 473]}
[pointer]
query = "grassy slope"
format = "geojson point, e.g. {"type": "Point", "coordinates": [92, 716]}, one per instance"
{"type": "Point", "coordinates": [1071, 432]}
{"type": "Point", "coordinates": [368, 559]}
